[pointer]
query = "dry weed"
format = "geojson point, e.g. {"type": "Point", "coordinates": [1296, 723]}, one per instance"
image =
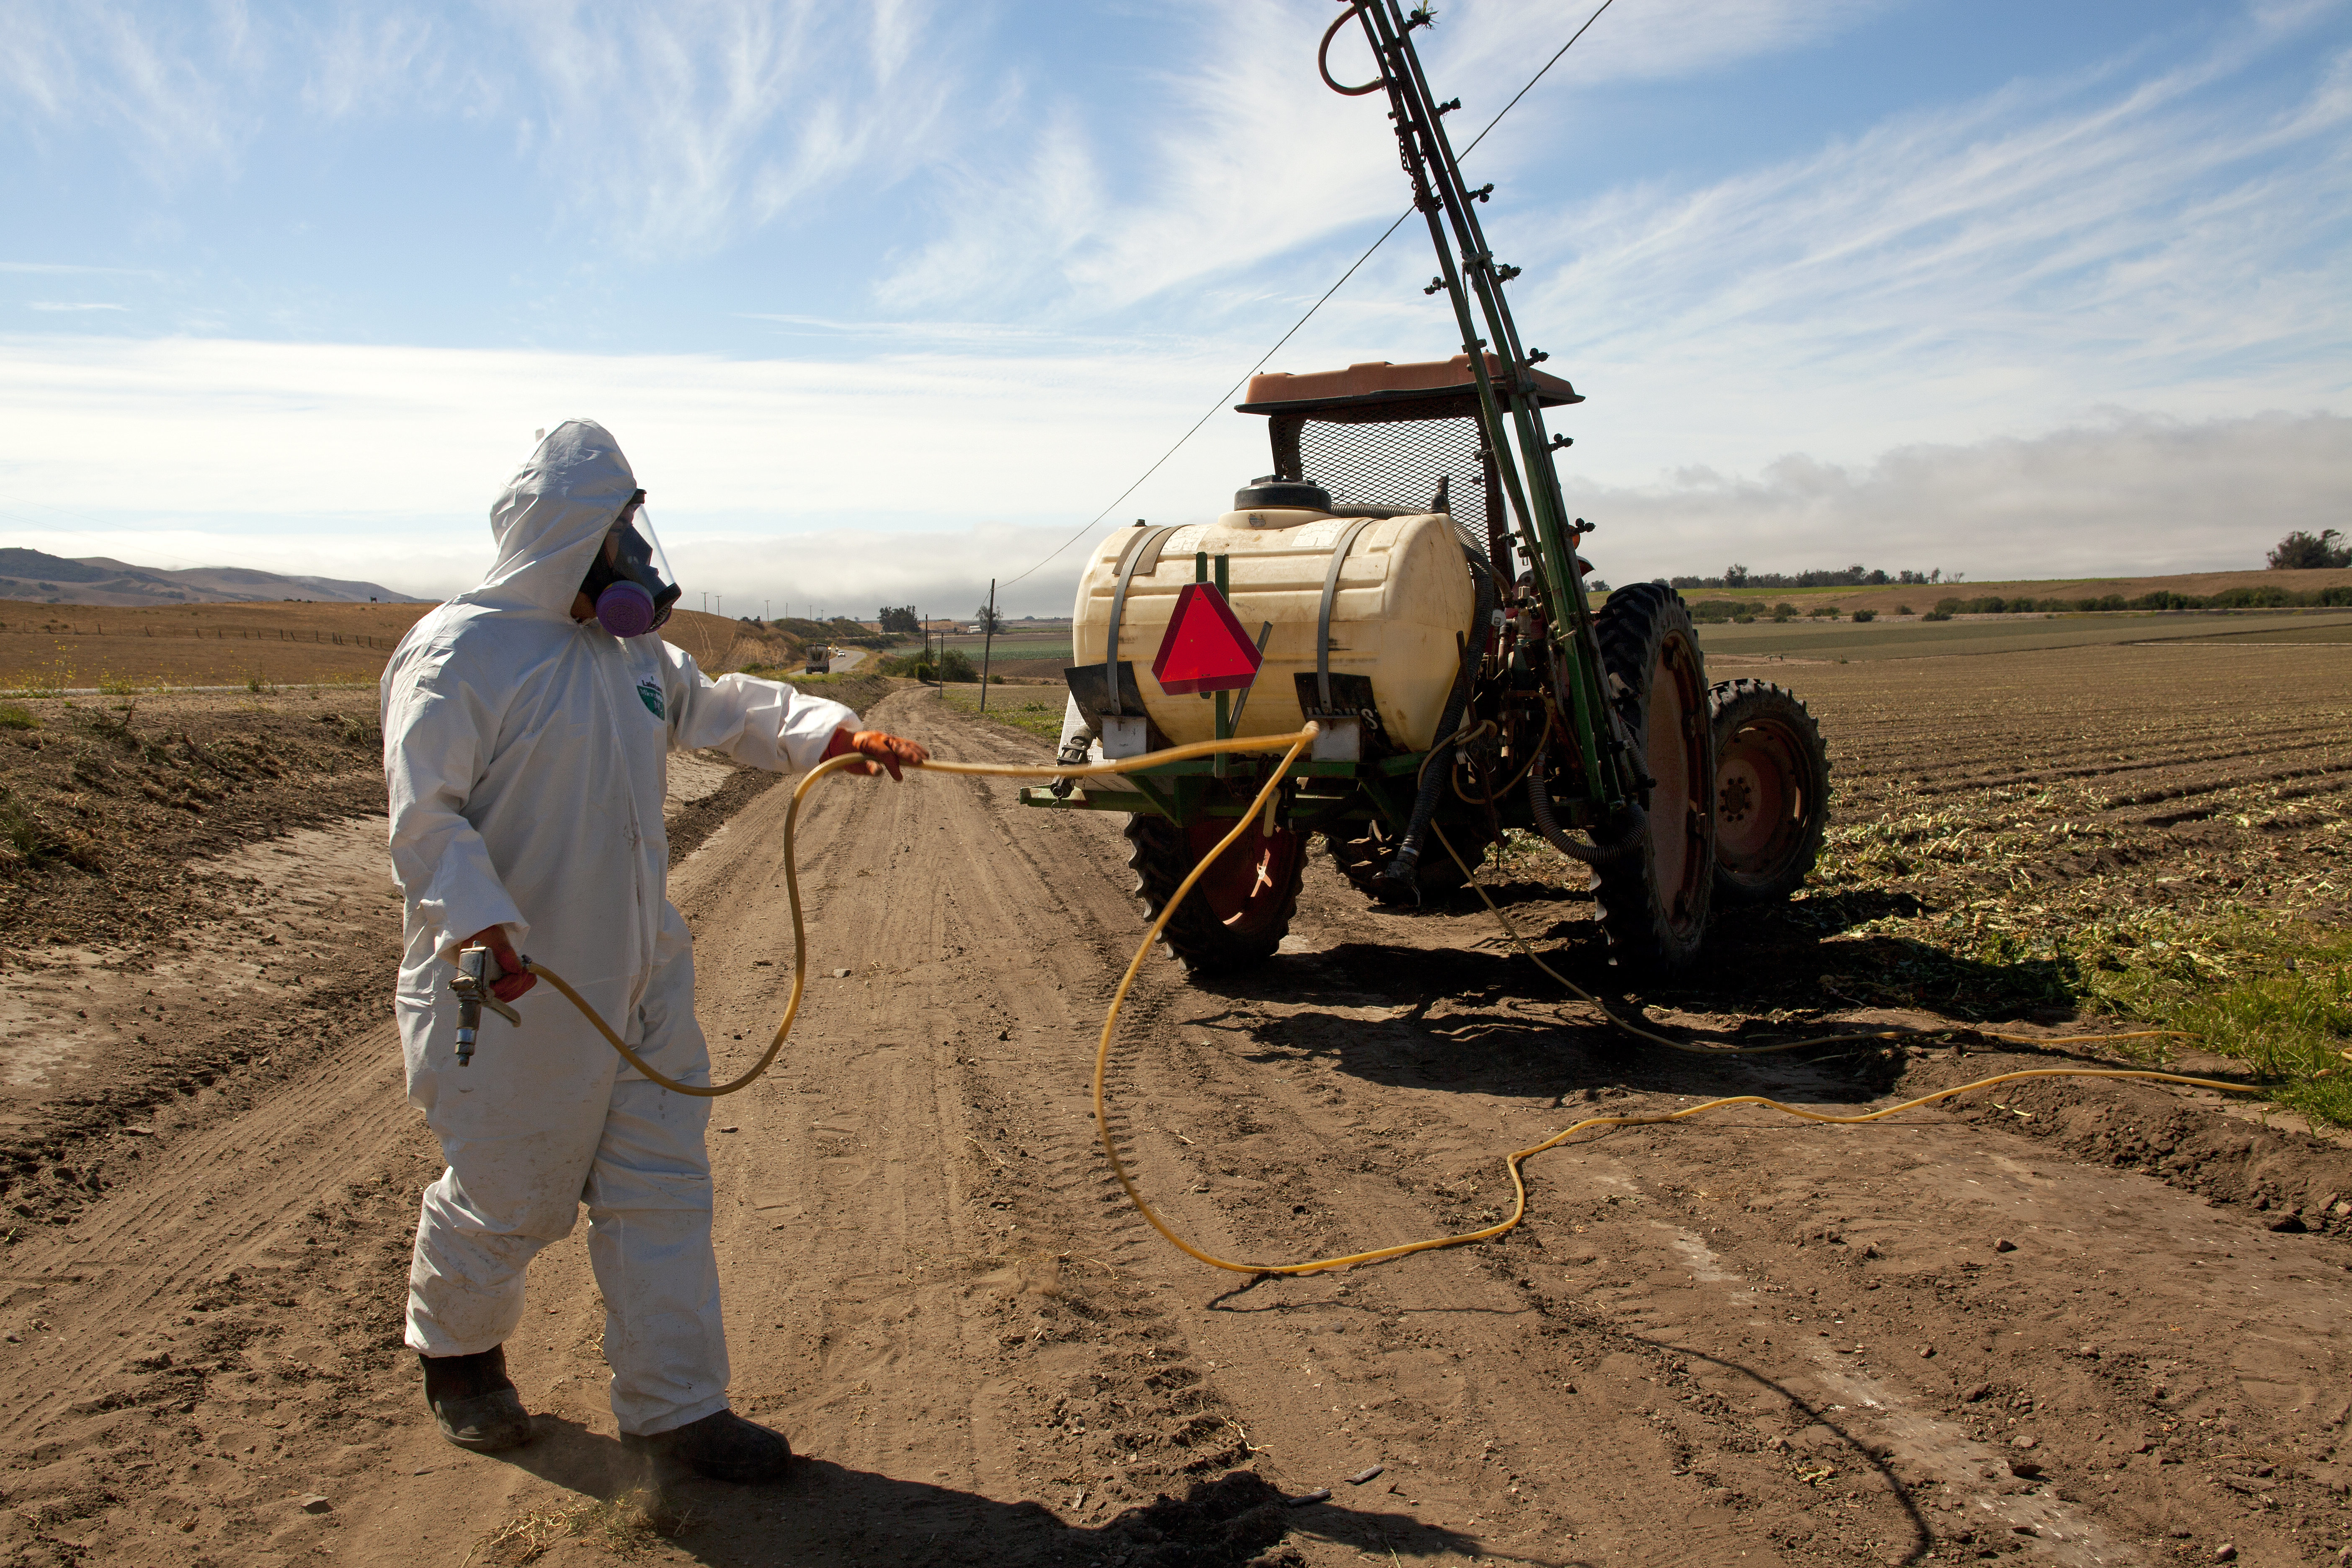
{"type": "Point", "coordinates": [626, 1526]}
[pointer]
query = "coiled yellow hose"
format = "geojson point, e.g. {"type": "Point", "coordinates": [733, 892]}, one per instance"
{"type": "Point", "coordinates": [1292, 745]}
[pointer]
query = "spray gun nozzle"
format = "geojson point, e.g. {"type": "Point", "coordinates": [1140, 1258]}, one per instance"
{"type": "Point", "coordinates": [478, 971]}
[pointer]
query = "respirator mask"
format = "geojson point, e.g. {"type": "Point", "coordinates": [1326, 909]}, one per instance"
{"type": "Point", "coordinates": [629, 583]}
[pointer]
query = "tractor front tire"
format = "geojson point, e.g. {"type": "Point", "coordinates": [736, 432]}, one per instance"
{"type": "Point", "coordinates": [1239, 912]}
{"type": "Point", "coordinates": [1771, 792]}
{"type": "Point", "coordinates": [1654, 897]}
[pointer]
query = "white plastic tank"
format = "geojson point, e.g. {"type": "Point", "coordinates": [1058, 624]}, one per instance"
{"type": "Point", "coordinates": [1403, 597]}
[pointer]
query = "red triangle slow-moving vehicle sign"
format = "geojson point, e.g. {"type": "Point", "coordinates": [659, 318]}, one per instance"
{"type": "Point", "coordinates": [1205, 648]}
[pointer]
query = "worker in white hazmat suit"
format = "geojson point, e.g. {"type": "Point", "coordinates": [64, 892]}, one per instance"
{"type": "Point", "coordinates": [527, 726]}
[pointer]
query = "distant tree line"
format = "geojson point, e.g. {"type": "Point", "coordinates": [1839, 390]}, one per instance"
{"type": "Point", "coordinates": [1714, 612]}
{"type": "Point", "coordinates": [952, 665]}
{"type": "Point", "coordinates": [2300, 551]}
{"type": "Point", "coordinates": [902, 620]}
{"type": "Point", "coordinates": [1856, 576]}
{"type": "Point", "coordinates": [2262, 598]}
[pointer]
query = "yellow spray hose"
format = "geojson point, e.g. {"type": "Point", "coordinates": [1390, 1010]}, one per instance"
{"type": "Point", "coordinates": [1295, 743]}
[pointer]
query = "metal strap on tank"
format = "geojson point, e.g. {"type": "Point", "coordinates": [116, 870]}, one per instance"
{"type": "Point", "coordinates": [1323, 615]}
{"type": "Point", "coordinates": [1143, 557]}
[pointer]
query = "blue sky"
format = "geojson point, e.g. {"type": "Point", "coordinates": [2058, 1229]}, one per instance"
{"type": "Point", "coordinates": [885, 299]}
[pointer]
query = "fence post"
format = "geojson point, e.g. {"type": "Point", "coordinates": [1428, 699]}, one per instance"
{"type": "Point", "coordinates": [987, 642]}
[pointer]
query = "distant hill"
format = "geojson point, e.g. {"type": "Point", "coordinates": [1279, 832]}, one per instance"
{"type": "Point", "coordinates": [99, 580]}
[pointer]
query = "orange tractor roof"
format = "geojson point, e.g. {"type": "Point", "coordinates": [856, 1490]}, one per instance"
{"type": "Point", "coordinates": [1382, 382]}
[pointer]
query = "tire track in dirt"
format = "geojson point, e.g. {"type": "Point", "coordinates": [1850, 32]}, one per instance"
{"type": "Point", "coordinates": [1931, 1486]}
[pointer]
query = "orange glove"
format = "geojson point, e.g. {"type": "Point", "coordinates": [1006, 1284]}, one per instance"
{"type": "Point", "coordinates": [517, 979]}
{"type": "Point", "coordinates": [887, 751]}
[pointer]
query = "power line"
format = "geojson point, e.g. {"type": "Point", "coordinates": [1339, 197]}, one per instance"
{"type": "Point", "coordinates": [1220, 402]}
{"type": "Point", "coordinates": [1537, 78]}
{"type": "Point", "coordinates": [1214, 407]}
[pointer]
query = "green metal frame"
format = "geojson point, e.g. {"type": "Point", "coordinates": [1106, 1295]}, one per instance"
{"type": "Point", "coordinates": [1444, 198]}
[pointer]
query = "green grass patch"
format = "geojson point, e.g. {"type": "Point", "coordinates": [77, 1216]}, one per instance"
{"type": "Point", "coordinates": [20, 833]}
{"type": "Point", "coordinates": [1962, 881]}
{"type": "Point", "coordinates": [2276, 995]}
{"type": "Point", "coordinates": [17, 716]}
{"type": "Point", "coordinates": [1015, 647]}
{"type": "Point", "coordinates": [1036, 708]}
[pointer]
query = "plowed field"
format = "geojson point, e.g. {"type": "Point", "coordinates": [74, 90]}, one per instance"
{"type": "Point", "coordinates": [47, 648]}
{"type": "Point", "coordinates": [2073, 1322]}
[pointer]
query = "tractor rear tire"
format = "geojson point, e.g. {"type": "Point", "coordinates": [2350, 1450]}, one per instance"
{"type": "Point", "coordinates": [1655, 898]}
{"type": "Point", "coordinates": [1362, 851]}
{"type": "Point", "coordinates": [1771, 792]}
{"type": "Point", "coordinates": [1240, 910]}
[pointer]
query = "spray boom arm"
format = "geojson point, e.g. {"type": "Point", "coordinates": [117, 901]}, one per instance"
{"type": "Point", "coordinates": [1510, 415]}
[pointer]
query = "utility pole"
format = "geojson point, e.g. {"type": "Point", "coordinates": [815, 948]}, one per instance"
{"type": "Point", "coordinates": [988, 642]}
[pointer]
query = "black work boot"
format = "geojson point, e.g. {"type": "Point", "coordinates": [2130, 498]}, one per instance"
{"type": "Point", "coordinates": [722, 1446]}
{"type": "Point", "coordinates": [475, 1402]}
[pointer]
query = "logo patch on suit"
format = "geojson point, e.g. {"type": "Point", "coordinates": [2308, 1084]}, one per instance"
{"type": "Point", "coordinates": [649, 692]}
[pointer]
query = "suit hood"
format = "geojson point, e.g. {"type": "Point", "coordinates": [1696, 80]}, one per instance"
{"type": "Point", "coordinates": [552, 516]}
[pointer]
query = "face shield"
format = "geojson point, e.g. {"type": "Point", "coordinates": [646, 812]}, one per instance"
{"type": "Point", "coordinates": [630, 582]}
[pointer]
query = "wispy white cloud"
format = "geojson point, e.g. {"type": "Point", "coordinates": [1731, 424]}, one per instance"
{"type": "Point", "coordinates": [1004, 231]}
{"type": "Point", "coordinates": [72, 305]}
{"type": "Point", "coordinates": [677, 128]}
{"type": "Point", "coordinates": [1657, 40]}
{"type": "Point", "coordinates": [369, 61]}
{"type": "Point", "coordinates": [2170, 242]}
{"type": "Point", "coordinates": [695, 122]}
{"type": "Point", "coordinates": [1250, 158]}
{"type": "Point", "coordinates": [172, 85]}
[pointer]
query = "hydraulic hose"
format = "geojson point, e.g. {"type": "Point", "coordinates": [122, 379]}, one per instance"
{"type": "Point", "coordinates": [1404, 867]}
{"type": "Point", "coordinates": [1633, 819]}
{"type": "Point", "coordinates": [1293, 745]}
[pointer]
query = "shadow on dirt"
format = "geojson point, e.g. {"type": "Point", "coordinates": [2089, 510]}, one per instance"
{"type": "Point", "coordinates": [829, 1514]}
{"type": "Point", "coordinates": [1481, 1017]}
{"type": "Point", "coordinates": [1810, 956]}
{"type": "Point", "coordinates": [1859, 1456]}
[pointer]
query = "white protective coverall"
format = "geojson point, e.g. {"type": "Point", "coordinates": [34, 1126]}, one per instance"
{"type": "Point", "coordinates": [526, 756]}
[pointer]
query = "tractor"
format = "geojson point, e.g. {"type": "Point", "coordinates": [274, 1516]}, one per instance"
{"type": "Point", "coordinates": [1407, 576]}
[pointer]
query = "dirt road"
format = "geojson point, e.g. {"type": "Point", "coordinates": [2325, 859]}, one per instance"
{"type": "Point", "coordinates": [1991, 1331]}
